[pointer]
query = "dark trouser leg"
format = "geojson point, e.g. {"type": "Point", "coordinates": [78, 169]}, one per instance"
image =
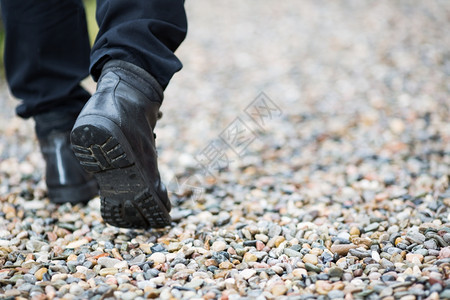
{"type": "Point", "coordinates": [142, 32]}
{"type": "Point", "coordinates": [46, 57]}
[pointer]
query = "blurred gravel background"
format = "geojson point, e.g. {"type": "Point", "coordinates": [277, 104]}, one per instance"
{"type": "Point", "coordinates": [343, 193]}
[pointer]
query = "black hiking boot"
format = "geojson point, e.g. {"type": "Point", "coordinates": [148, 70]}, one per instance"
{"type": "Point", "coordinates": [66, 180]}
{"type": "Point", "coordinates": [113, 139]}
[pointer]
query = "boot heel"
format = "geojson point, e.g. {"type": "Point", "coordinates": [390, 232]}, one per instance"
{"type": "Point", "coordinates": [127, 199]}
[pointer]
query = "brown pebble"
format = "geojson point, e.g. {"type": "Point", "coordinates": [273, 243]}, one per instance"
{"type": "Point", "coordinates": [355, 231]}
{"type": "Point", "coordinates": [116, 254]}
{"type": "Point", "coordinates": [221, 274]}
{"type": "Point", "coordinates": [338, 285]}
{"type": "Point", "coordinates": [61, 232]}
{"type": "Point", "coordinates": [108, 271]}
{"type": "Point", "coordinates": [414, 258]}
{"type": "Point", "coordinates": [9, 209]}
{"type": "Point", "coordinates": [310, 258]}
{"type": "Point", "coordinates": [342, 249]}
{"type": "Point", "coordinates": [145, 248]}
{"type": "Point", "coordinates": [152, 293]}
{"type": "Point", "coordinates": [316, 251]}
{"type": "Point", "coordinates": [40, 273]}
{"type": "Point", "coordinates": [264, 275]}
{"type": "Point", "coordinates": [79, 275]}
{"type": "Point", "coordinates": [279, 289]}
{"type": "Point", "coordinates": [299, 272]}
{"type": "Point", "coordinates": [211, 262]}
{"type": "Point", "coordinates": [226, 265]}
{"type": "Point", "coordinates": [250, 257]}
{"type": "Point", "coordinates": [323, 287]}
{"type": "Point", "coordinates": [231, 251]}
{"type": "Point", "coordinates": [279, 240]}
{"type": "Point", "coordinates": [72, 257]}
{"type": "Point", "coordinates": [361, 242]}
{"type": "Point", "coordinates": [51, 236]}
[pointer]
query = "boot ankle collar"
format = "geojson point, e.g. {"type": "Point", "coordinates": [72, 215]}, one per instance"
{"type": "Point", "coordinates": [144, 80]}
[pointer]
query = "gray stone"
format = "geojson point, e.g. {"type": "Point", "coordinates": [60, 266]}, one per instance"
{"type": "Point", "coordinates": [144, 283]}
{"type": "Point", "coordinates": [415, 237]}
{"type": "Point", "coordinates": [372, 227]}
{"type": "Point", "coordinates": [29, 278]}
{"type": "Point", "coordinates": [446, 237]}
{"type": "Point", "coordinates": [35, 246]}
{"type": "Point", "coordinates": [360, 253]}
{"type": "Point", "coordinates": [392, 250]}
{"type": "Point", "coordinates": [173, 247]}
{"type": "Point", "coordinates": [335, 294]}
{"type": "Point", "coordinates": [430, 244]}
{"type": "Point", "coordinates": [423, 252]}
{"type": "Point", "coordinates": [76, 290]}
{"type": "Point", "coordinates": [344, 235]}
{"type": "Point", "coordinates": [195, 283]}
{"type": "Point", "coordinates": [445, 294]}
{"type": "Point", "coordinates": [137, 260]}
{"type": "Point", "coordinates": [335, 272]}
{"type": "Point", "coordinates": [387, 291]}
{"type": "Point", "coordinates": [386, 264]}
{"type": "Point", "coordinates": [274, 230]}
{"type": "Point", "coordinates": [25, 287]}
{"type": "Point", "coordinates": [292, 253]}
{"type": "Point", "coordinates": [129, 296]}
{"type": "Point", "coordinates": [313, 268]}
{"type": "Point", "coordinates": [107, 262]}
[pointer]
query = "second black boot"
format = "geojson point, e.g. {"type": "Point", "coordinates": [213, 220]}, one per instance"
{"type": "Point", "coordinates": [66, 180]}
{"type": "Point", "coordinates": [113, 139]}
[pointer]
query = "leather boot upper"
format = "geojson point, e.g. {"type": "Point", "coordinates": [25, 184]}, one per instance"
{"type": "Point", "coordinates": [66, 180]}
{"type": "Point", "coordinates": [130, 97]}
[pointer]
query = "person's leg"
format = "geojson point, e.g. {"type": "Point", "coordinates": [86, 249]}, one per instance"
{"type": "Point", "coordinates": [144, 33]}
{"type": "Point", "coordinates": [113, 136]}
{"type": "Point", "coordinates": [46, 56]}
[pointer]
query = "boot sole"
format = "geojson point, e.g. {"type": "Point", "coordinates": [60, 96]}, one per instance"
{"type": "Point", "coordinates": [128, 199]}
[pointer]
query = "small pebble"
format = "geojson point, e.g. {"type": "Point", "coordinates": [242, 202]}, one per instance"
{"type": "Point", "coordinates": [219, 246]}
{"type": "Point", "coordinates": [279, 290]}
{"type": "Point", "coordinates": [40, 273]}
{"type": "Point", "coordinates": [250, 257]}
{"type": "Point", "coordinates": [158, 258]}
{"type": "Point", "coordinates": [310, 258]}
{"type": "Point", "coordinates": [248, 273]}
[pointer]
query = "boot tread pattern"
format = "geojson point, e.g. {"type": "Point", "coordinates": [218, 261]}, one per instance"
{"type": "Point", "coordinates": [142, 212]}
{"type": "Point", "coordinates": [127, 200]}
{"type": "Point", "coordinates": [97, 158]}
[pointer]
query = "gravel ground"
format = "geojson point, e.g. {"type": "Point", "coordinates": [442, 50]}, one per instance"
{"type": "Point", "coordinates": [306, 145]}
